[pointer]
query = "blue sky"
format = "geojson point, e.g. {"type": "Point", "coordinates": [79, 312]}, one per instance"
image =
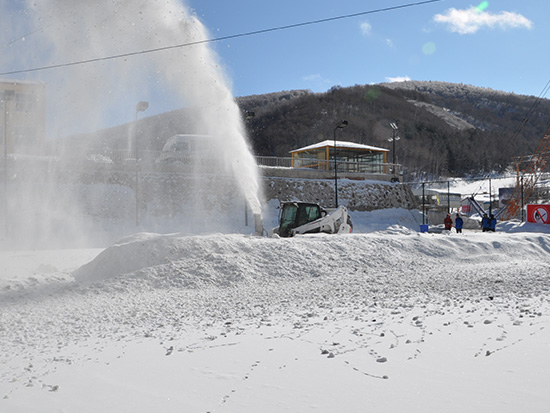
{"type": "Point", "coordinates": [495, 44]}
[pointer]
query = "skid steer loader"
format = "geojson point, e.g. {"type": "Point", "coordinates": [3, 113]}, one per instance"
{"type": "Point", "coordinates": [309, 218]}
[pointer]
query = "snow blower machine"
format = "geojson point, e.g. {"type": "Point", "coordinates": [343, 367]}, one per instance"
{"type": "Point", "coordinates": [309, 218]}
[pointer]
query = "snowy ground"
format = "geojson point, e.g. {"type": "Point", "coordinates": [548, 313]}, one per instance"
{"type": "Point", "coordinates": [386, 319]}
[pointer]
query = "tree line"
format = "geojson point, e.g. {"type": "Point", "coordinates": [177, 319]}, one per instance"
{"type": "Point", "coordinates": [446, 129]}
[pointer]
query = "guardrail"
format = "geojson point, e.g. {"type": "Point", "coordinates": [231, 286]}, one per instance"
{"type": "Point", "coordinates": [149, 160]}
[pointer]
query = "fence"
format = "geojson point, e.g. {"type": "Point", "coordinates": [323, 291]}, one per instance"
{"type": "Point", "coordinates": [324, 165]}
{"type": "Point", "coordinates": [152, 161]}
{"type": "Point", "coordinates": [477, 195]}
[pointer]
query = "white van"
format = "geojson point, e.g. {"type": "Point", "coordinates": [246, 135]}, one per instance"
{"type": "Point", "coordinates": [185, 147]}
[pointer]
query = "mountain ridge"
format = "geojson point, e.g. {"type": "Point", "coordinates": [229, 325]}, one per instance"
{"type": "Point", "coordinates": [446, 129]}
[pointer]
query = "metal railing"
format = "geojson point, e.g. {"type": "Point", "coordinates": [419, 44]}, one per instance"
{"type": "Point", "coordinates": [152, 160]}
{"type": "Point", "coordinates": [324, 165]}
{"type": "Point", "coordinates": [274, 161]}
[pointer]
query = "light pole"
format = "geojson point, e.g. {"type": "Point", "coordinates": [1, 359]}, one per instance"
{"type": "Point", "coordinates": [341, 125]}
{"type": "Point", "coordinates": [393, 139]}
{"type": "Point", "coordinates": [7, 96]}
{"type": "Point", "coordinates": [140, 107]}
{"type": "Point", "coordinates": [490, 198]}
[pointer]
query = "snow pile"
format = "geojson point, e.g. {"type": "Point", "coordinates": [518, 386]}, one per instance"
{"type": "Point", "coordinates": [225, 260]}
{"type": "Point", "coordinates": [236, 323]}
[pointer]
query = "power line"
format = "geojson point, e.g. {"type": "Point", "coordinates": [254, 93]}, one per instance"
{"type": "Point", "coordinates": [532, 109]}
{"type": "Point", "coordinates": [524, 122]}
{"type": "Point", "coordinates": [219, 39]}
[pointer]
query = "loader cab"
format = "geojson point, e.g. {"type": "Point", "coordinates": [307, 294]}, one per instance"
{"type": "Point", "coordinates": [295, 214]}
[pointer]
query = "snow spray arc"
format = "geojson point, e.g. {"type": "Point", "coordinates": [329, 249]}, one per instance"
{"type": "Point", "coordinates": [218, 116]}
{"type": "Point", "coordinates": [90, 97]}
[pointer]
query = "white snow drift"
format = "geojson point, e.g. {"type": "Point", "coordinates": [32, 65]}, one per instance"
{"type": "Point", "coordinates": [386, 320]}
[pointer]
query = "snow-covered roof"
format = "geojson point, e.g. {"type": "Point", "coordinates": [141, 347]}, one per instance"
{"type": "Point", "coordinates": [340, 144]}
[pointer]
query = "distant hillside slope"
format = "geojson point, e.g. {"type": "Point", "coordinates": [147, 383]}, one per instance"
{"type": "Point", "coordinates": [445, 128]}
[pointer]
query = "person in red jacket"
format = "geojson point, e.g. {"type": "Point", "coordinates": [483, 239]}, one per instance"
{"type": "Point", "coordinates": [448, 222]}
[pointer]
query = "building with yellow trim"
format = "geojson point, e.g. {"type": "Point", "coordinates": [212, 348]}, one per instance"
{"type": "Point", "coordinates": [350, 157]}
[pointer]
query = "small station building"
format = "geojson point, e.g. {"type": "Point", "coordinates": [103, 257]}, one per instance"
{"type": "Point", "coordinates": [350, 157]}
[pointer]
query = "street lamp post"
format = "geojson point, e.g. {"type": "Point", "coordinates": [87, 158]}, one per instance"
{"type": "Point", "coordinates": [393, 139]}
{"type": "Point", "coordinates": [341, 125]}
{"type": "Point", "coordinates": [490, 198]}
{"type": "Point", "coordinates": [7, 96]}
{"type": "Point", "coordinates": [140, 107]}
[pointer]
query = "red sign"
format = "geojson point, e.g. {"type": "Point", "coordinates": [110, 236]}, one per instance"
{"type": "Point", "coordinates": [539, 214]}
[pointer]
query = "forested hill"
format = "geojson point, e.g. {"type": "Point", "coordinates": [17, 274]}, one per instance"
{"type": "Point", "coordinates": [445, 128]}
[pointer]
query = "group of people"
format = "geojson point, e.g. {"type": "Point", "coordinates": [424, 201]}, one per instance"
{"type": "Point", "coordinates": [459, 222]}
{"type": "Point", "coordinates": [488, 223]}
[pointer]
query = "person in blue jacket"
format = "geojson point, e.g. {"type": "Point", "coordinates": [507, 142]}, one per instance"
{"type": "Point", "coordinates": [485, 223]}
{"type": "Point", "coordinates": [459, 222]}
{"type": "Point", "coordinates": [492, 223]}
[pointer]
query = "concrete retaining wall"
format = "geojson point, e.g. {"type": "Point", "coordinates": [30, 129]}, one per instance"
{"type": "Point", "coordinates": [305, 173]}
{"type": "Point", "coordinates": [356, 195]}
{"type": "Point", "coordinates": [166, 193]}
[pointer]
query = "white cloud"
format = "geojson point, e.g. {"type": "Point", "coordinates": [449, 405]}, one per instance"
{"type": "Point", "coordinates": [398, 79]}
{"type": "Point", "coordinates": [471, 20]}
{"type": "Point", "coordinates": [366, 28]}
{"type": "Point", "coordinates": [315, 78]}
{"type": "Point", "coordinates": [389, 43]}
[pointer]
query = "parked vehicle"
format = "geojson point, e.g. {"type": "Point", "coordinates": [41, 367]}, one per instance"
{"type": "Point", "coordinates": [187, 147]}
{"type": "Point", "coordinates": [310, 218]}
